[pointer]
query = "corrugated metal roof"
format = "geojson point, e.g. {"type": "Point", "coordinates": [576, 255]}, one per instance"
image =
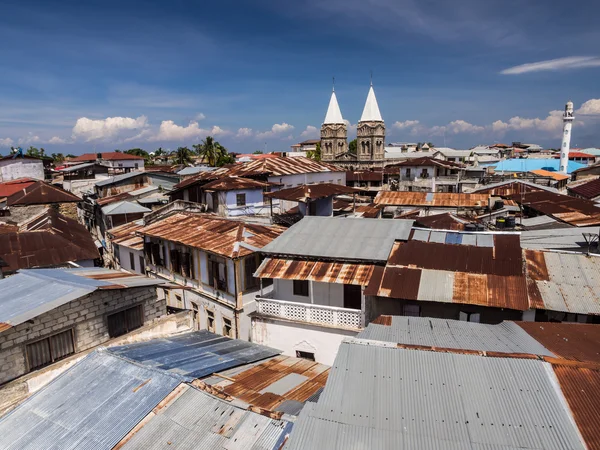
{"type": "Point", "coordinates": [41, 193]}
{"type": "Point", "coordinates": [194, 355]}
{"type": "Point", "coordinates": [508, 188]}
{"type": "Point", "coordinates": [124, 207]}
{"type": "Point", "coordinates": [506, 337]}
{"type": "Point", "coordinates": [574, 211]}
{"type": "Point", "coordinates": [272, 385]}
{"type": "Point", "coordinates": [484, 239]}
{"type": "Point", "coordinates": [125, 236]}
{"type": "Point", "coordinates": [445, 221]}
{"type": "Point", "coordinates": [380, 397]}
{"type": "Point", "coordinates": [50, 239]}
{"type": "Point", "coordinates": [119, 178]}
{"type": "Point", "coordinates": [32, 292]}
{"type": "Point", "coordinates": [234, 183]}
{"type": "Point", "coordinates": [565, 282]}
{"type": "Point", "coordinates": [8, 188]}
{"type": "Point", "coordinates": [325, 272]}
{"type": "Point", "coordinates": [577, 341]}
{"type": "Point", "coordinates": [340, 238]}
{"type": "Point", "coordinates": [199, 421]}
{"type": "Point", "coordinates": [92, 405]}
{"type": "Point", "coordinates": [221, 236]}
{"type": "Point", "coordinates": [529, 164]}
{"type": "Point", "coordinates": [306, 192]}
{"type": "Point", "coordinates": [589, 190]}
{"type": "Point", "coordinates": [558, 239]}
{"type": "Point", "coordinates": [435, 199]}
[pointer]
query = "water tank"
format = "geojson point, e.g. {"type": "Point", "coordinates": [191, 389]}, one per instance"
{"type": "Point", "coordinates": [498, 204]}
{"type": "Point", "coordinates": [470, 227]}
{"type": "Point", "coordinates": [500, 222]}
{"type": "Point", "coordinates": [510, 222]}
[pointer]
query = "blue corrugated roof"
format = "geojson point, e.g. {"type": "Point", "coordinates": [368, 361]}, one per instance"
{"type": "Point", "coordinates": [527, 165]}
{"type": "Point", "coordinates": [196, 354]}
{"type": "Point", "coordinates": [92, 405]}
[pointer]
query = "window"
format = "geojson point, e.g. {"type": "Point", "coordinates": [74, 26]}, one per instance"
{"type": "Point", "coordinates": [156, 249]}
{"type": "Point", "coordinates": [240, 199]}
{"type": "Point", "coordinates": [142, 265]}
{"type": "Point", "coordinates": [136, 165]}
{"type": "Point", "coordinates": [131, 261]}
{"type": "Point", "coordinates": [187, 265]}
{"type": "Point", "coordinates": [412, 310]}
{"type": "Point", "coordinates": [50, 349]}
{"type": "Point", "coordinates": [301, 287]}
{"type": "Point", "coordinates": [305, 355]}
{"type": "Point", "coordinates": [174, 256]}
{"type": "Point", "coordinates": [227, 329]}
{"type": "Point", "coordinates": [424, 173]}
{"type": "Point", "coordinates": [469, 317]}
{"type": "Point", "coordinates": [210, 320]}
{"type": "Point", "coordinates": [352, 296]}
{"type": "Point", "coordinates": [217, 273]}
{"type": "Point", "coordinates": [250, 265]}
{"type": "Point", "coordinates": [125, 321]}
{"type": "Point", "coordinates": [178, 301]}
{"type": "Point", "coordinates": [408, 172]}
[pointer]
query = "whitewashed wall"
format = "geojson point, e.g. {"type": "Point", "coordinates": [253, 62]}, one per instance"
{"type": "Point", "coordinates": [11, 169]}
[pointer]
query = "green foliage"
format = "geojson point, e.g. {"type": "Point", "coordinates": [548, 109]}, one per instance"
{"type": "Point", "coordinates": [213, 153]}
{"type": "Point", "coordinates": [182, 155]}
{"type": "Point", "coordinates": [352, 146]}
{"type": "Point", "coordinates": [227, 158]}
{"type": "Point", "coordinates": [159, 152]}
{"type": "Point", "coordinates": [57, 157]}
{"type": "Point", "coordinates": [316, 153]}
{"type": "Point", "coordinates": [257, 152]}
{"type": "Point", "coordinates": [70, 155]}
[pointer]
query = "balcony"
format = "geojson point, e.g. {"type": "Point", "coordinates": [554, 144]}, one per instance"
{"type": "Point", "coordinates": [310, 313]}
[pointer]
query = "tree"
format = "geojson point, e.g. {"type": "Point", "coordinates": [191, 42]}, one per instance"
{"type": "Point", "coordinates": [227, 158]}
{"type": "Point", "coordinates": [352, 146]}
{"type": "Point", "coordinates": [316, 153]}
{"type": "Point", "coordinates": [70, 155]}
{"type": "Point", "coordinates": [138, 152]}
{"type": "Point", "coordinates": [159, 152]}
{"type": "Point", "coordinates": [430, 144]}
{"type": "Point", "coordinates": [211, 151]}
{"type": "Point", "coordinates": [33, 151]}
{"type": "Point", "coordinates": [57, 157]}
{"type": "Point", "coordinates": [182, 155]}
{"type": "Point", "coordinates": [257, 152]}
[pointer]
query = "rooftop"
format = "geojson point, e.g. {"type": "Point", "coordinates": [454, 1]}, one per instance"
{"type": "Point", "coordinates": [41, 193]}
{"type": "Point", "coordinates": [119, 178]}
{"type": "Point", "coordinates": [574, 211]}
{"type": "Point", "coordinates": [307, 192]}
{"type": "Point", "coordinates": [50, 239]}
{"type": "Point", "coordinates": [427, 161]}
{"type": "Point", "coordinates": [8, 188]}
{"type": "Point", "coordinates": [529, 164]}
{"type": "Point", "coordinates": [558, 176]}
{"type": "Point", "coordinates": [124, 207]}
{"type": "Point", "coordinates": [125, 235]}
{"type": "Point", "coordinates": [340, 238]}
{"type": "Point", "coordinates": [108, 156]}
{"type": "Point", "coordinates": [234, 183]}
{"type": "Point", "coordinates": [445, 221]}
{"type": "Point", "coordinates": [589, 190]}
{"type": "Point", "coordinates": [510, 187]}
{"type": "Point", "coordinates": [225, 237]}
{"type": "Point", "coordinates": [435, 199]}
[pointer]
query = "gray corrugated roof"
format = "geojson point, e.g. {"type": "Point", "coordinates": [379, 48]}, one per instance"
{"type": "Point", "coordinates": [506, 337]}
{"type": "Point", "coordinates": [195, 170]}
{"type": "Point", "coordinates": [196, 420]}
{"type": "Point", "coordinates": [195, 355]}
{"type": "Point", "coordinates": [557, 239]}
{"type": "Point", "coordinates": [341, 238]}
{"type": "Point", "coordinates": [124, 207]}
{"type": "Point", "coordinates": [32, 292]}
{"type": "Point", "coordinates": [77, 167]}
{"type": "Point", "coordinates": [479, 239]}
{"type": "Point", "coordinates": [525, 182]}
{"type": "Point", "coordinates": [380, 397]}
{"type": "Point", "coordinates": [117, 178]}
{"type": "Point", "coordinates": [92, 405]}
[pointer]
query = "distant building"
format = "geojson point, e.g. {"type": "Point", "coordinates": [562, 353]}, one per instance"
{"type": "Point", "coordinates": [309, 145]}
{"type": "Point", "coordinates": [427, 175]}
{"type": "Point", "coordinates": [116, 162]}
{"type": "Point", "coordinates": [13, 167]}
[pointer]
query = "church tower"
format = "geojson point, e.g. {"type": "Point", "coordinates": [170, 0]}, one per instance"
{"type": "Point", "coordinates": [334, 132]}
{"type": "Point", "coordinates": [370, 132]}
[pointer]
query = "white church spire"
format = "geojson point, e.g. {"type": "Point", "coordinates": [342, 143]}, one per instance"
{"type": "Point", "coordinates": [371, 111]}
{"type": "Point", "coordinates": [334, 115]}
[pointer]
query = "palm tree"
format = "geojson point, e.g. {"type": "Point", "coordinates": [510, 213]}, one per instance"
{"type": "Point", "coordinates": [182, 155]}
{"type": "Point", "coordinates": [210, 151]}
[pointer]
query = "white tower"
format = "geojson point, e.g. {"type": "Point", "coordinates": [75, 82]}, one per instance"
{"type": "Point", "coordinates": [566, 140]}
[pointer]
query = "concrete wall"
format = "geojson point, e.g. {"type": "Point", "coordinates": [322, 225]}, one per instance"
{"type": "Point", "coordinates": [328, 294]}
{"type": "Point", "coordinates": [124, 260]}
{"type": "Point", "coordinates": [254, 203]}
{"type": "Point", "coordinates": [11, 169]}
{"type": "Point", "coordinates": [308, 178]}
{"type": "Point", "coordinates": [137, 164]}
{"type": "Point", "coordinates": [292, 336]}
{"type": "Point", "coordinates": [77, 187]}
{"type": "Point", "coordinates": [86, 316]}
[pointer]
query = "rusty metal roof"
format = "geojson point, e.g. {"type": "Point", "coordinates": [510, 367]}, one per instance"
{"type": "Point", "coordinates": [225, 237]}
{"type": "Point", "coordinates": [233, 183]}
{"type": "Point", "coordinates": [564, 282]}
{"type": "Point", "coordinates": [273, 385]}
{"type": "Point", "coordinates": [574, 341]}
{"type": "Point", "coordinates": [370, 211]}
{"type": "Point", "coordinates": [434, 199]}
{"type": "Point", "coordinates": [108, 156]}
{"type": "Point", "coordinates": [50, 239]}
{"type": "Point", "coordinates": [574, 211]}
{"type": "Point", "coordinates": [125, 235]}
{"type": "Point", "coordinates": [589, 190]}
{"type": "Point", "coordinates": [558, 176]}
{"type": "Point", "coordinates": [445, 221]}
{"type": "Point", "coordinates": [364, 175]}
{"type": "Point", "coordinates": [427, 161]}
{"type": "Point", "coordinates": [326, 272]}
{"type": "Point", "coordinates": [306, 192]}
{"type": "Point", "coordinates": [508, 188]}
{"type": "Point", "coordinates": [8, 188]}
{"type": "Point", "coordinates": [41, 193]}
{"type": "Point", "coordinates": [113, 198]}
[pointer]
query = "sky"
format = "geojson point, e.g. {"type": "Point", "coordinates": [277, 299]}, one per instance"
{"type": "Point", "coordinates": [96, 75]}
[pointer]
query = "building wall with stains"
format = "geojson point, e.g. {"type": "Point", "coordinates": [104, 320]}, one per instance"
{"type": "Point", "coordinates": [11, 169]}
{"type": "Point", "coordinates": [87, 317]}
{"type": "Point", "coordinates": [328, 294]}
{"type": "Point", "coordinates": [290, 337]}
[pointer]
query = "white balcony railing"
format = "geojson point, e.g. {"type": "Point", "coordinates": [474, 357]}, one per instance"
{"type": "Point", "coordinates": [310, 313]}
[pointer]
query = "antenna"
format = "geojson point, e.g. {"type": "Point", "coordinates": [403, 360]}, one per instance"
{"type": "Point", "coordinates": [371, 78]}
{"type": "Point", "coordinates": [333, 84]}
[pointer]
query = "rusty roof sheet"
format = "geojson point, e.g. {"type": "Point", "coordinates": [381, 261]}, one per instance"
{"type": "Point", "coordinates": [433, 199]}
{"type": "Point", "coordinates": [589, 190]}
{"type": "Point", "coordinates": [108, 156]}
{"type": "Point", "coordinates": [558, 176]}
{"type": "Point", "coordinates": [306, 192]}
{"type": "Point", "coordinates": [574, 341]}
{"type": "Point", "coordinates": [113, 198]}
{"type": "Point", "coordinates": [364, 175]}
{"type": "Point", "coordinates": [50, 239]}
{"type": "Point", "coordinates": [8, 188]}
{"type": "Point", "coordinates": [225, 237]}
{"type": "Point", "coordinates": [234, 183]}
{"type": "Point", "coordinates": [445, 221]}
{"type": "Point", "coordinates": [508, 188]}
{"type": "Point", "coordinates": [41, 193]}
{"type": "Point", "coordinates": [574, 211]}
{"type": "Point", "coordinates": [370, 211]}
{"type": "Point", "coordinates": [564, 282]}
{"type": "Point", "coordinates": [579, 385]}
{"type": "Point", "coordinates": [427, 161]}
{"type": "Point", "coordinates": [325, 272]}
{"type": "Point", "coordinates": [125, 235]}
{"type": "Point", "coordinates": [271, 384]}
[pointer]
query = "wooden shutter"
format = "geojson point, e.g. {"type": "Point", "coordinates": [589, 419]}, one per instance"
{"type": "Point", "coordinates": [175, 262]}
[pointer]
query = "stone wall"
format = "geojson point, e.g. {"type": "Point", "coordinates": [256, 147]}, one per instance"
{"type": "Point", "coordinates": [86, 316]}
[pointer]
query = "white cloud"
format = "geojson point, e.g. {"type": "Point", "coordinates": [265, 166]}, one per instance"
{"type": "Point", "coordinates": [170, 131]}
{"type": "Point", "coordinates": [310, 132]}
{"type": "Point", "coordinates": [244, 133]}
{"type": "Point", "coordinates": [570, 62]}
{"type": "Point", "coordinates": [110, 128]}
{"type": "Point", "coordinates": [351, 128]}
{"type": "Point", "coordinates": [200, 117]}
{"type": "Point", "coordinates": [551, 124]}
{"type": "Point", "coordinates": [591, 107]}
{"type": "Point", "coordinates": [56, 140]}
{"type": "Point", "coordinates": [218, 131]}
{"type": "Point", "coordinates": [460, 126]}
{"type": "Point", "coordinates": [6, 142]}
{"type": "Point", "coordinates": [29, 139]}
{"type": "Point", "coordinates": [276, 130]}
{"type": "Point", "coordinates": [408, 124]}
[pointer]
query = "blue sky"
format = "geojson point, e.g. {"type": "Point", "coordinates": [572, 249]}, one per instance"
{"type": "Point", "coordinates": [78, 76]}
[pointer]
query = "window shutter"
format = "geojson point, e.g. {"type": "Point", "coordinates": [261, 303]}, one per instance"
{"type": "Point", "coordinates": [185, 264]}
{"type": "Point", "coordinates": [175, 261]}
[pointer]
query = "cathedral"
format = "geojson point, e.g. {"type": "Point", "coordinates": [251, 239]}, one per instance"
{"type": "Point", "coordinates": [370, 136]}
